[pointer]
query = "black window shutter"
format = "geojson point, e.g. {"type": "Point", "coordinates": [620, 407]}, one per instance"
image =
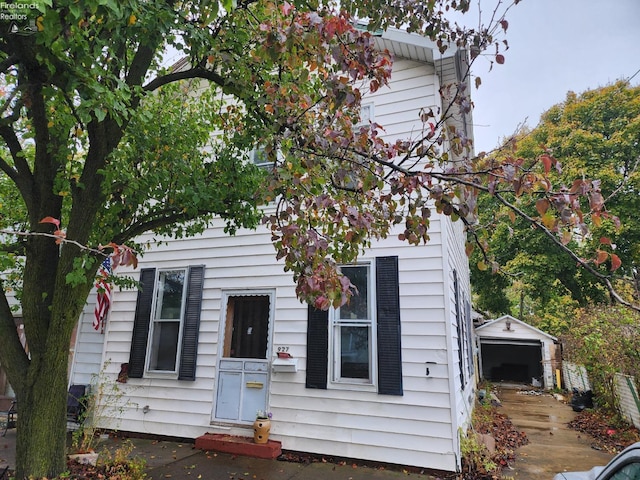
{"type": "Point", "coordinates": [191, 328]}
{"type": "Point", "coordinates": [459, 328]}
{"type": "Point", "coordinates": [317, 348]}
{"type": "Point", "coordinates": [469, 324]}
{"type": "Point", "coordinates": [141, 323]}
{"type": "Point", "coordinates": [389, 346]}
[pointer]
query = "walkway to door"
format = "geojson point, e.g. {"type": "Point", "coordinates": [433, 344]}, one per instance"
{"type": "Point", "coordinates": [553, 447]}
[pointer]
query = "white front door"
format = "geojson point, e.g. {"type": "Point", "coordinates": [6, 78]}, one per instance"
{"type": "Point", "coordinates": [243, 368]}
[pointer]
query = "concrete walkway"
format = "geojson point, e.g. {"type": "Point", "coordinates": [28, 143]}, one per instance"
{"type": "Point", "coordinates": [553, 447]}
{"type": "Point", "coordinates": [176, 460]}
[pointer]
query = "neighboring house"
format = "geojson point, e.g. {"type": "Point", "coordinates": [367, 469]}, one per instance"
{"type": "Point", "coordinates": [514, 351]}
{"type": "Point", "coordinates": [388, 378]}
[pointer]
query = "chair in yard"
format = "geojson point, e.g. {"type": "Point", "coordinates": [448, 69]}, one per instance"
{"type": "Point", "coordinates": [76, 403]}
{"type": "Point", "coordinates": [8, 418]}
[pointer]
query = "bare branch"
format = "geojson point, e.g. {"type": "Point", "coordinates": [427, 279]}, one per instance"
{"type": "Point", "coordinates": [197, 72]}
{"type": "Point", "coordinates": [58, 238]}
{"type": "Point", "coordinates": [14, 359]}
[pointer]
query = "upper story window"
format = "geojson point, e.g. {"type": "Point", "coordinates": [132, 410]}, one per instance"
{"type": "Point", "coordinates": [366, 115]}
{"type": "Point", "coordinates": [258, 156]}
{"type": "Point", "coordinates": [353, 331]}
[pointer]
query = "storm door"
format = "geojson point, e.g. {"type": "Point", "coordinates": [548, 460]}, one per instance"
{"type": "Point", "coordinates": [243, 368]}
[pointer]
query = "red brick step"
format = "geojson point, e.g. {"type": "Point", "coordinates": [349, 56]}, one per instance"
{"type": "Point", "coordinates": [220, 442]}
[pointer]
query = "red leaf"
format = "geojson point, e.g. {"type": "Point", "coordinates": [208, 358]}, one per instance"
{"type": "Point", "coordinates": [51, 220]}
{"type": "Point", "coordinates": [500, 59]}
{"type": "Point", "coordinates": [597, 220]}
{"type": "Point", "coordinates": [504, 24]}
{"type": "Point", "coordinates": [605, 241]}
{"type": "Point", "coordinates": [542, 205]}
{"type": "Point", "coordinates": [546, 161]}
{"type": "Point", "coordinates": [615, 262]}
{"type": "Point", "coordinates": [286, 8]}
{"type": "Point", "coordinates": [468, 249]}
{"type": "Point", "coordinates": [601, 256]}
{"type": "Point", "coordinates": [322, 303]}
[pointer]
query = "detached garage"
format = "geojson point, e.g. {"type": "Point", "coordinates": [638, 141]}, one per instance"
{"type": "Point", "coordinates": [513, 351]}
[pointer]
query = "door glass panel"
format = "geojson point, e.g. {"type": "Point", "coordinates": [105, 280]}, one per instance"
{"type": "Point", "coordinates": [248, 317]}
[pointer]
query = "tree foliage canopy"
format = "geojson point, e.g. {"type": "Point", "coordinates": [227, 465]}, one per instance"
{"type": "Point", "coordinates": [592, 135]}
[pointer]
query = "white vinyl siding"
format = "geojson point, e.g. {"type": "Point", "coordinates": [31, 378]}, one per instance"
{"type": "Point", "coordinates": [418, 427]}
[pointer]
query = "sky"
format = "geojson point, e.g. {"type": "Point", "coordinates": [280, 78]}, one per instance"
{"type": "Point", "coordinates": [555, 46]}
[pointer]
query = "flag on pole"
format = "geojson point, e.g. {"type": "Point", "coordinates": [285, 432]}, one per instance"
{"type": "Point", "coordinates": [103, 300]}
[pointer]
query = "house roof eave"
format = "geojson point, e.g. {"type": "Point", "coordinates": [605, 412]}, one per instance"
{"type": "Point", "coordinates": [411, 46]}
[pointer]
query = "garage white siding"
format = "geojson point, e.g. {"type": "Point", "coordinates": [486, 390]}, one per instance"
{"type": "Point", "coordinates": [509, 348]}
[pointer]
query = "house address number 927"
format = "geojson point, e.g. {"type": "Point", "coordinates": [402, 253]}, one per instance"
{"type": "Point", "coordinates": [283, 349]}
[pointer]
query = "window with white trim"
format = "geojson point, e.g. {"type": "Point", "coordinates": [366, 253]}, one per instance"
{"type": "Point", "coordinates": [366, 115]}
{"type": "Point", "coordinates": [258, 156]}
{"type": "Point", "coordinates": [352, 327]}
{"type": "Point", "coordinates": [327, 329]}
{"type": "Point", "coordinates": [166, 322]}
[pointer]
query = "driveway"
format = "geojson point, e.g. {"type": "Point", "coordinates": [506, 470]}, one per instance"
{"type": "Point", "coordinates": [553, 447]}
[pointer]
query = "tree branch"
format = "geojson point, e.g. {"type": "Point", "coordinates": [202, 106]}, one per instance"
{"type": "Point", "coordinates": [14, 248]}
{"type": "Point", "coordinates": [197, 72]}
{"type": "Point", "coordinates": [139, 228]}
{"type": "Point", "coordinates": [21, 175]}
{"type": "Point", "coordinates": [12, 355]}
{"type": "Point", "coordinates": [8, 62]}
{"type": "Point", "coordinates": [58, 238]}
{"type": "Point", "coordinates": [604, 279]}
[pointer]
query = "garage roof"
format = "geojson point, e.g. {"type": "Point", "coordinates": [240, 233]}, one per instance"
{"type": "Point", "coordinates": [516, 329]}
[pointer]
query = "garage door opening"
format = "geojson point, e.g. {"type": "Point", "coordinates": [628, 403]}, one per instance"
{"type": "Point", "coordinates": [517, 362]}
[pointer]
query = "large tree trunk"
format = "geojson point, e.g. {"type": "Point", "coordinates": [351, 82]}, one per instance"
{"type": "Point", "coordinates": [51, 309]}
{"type": "Point", "coordinates": [42, 426]}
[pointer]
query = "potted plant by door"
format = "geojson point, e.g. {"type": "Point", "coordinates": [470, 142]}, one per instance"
{"type": "Point", "coordinates": [262, 427]}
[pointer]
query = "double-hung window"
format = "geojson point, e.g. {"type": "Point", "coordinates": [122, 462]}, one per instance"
{"type": "Point", "coordinates": [353, 330]}
{"type": "Point", "coordinates": [258, 156]}
{"type": "Point", "coordinates": [366, 115]}
{"type": "Point", "coordinates": [359, 344]}
{"type": "Point", "coordinates": [166, 322]}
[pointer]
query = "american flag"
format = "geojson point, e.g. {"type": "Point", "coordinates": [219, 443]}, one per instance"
{"type": "Point", "coordinates": [103, 300]}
